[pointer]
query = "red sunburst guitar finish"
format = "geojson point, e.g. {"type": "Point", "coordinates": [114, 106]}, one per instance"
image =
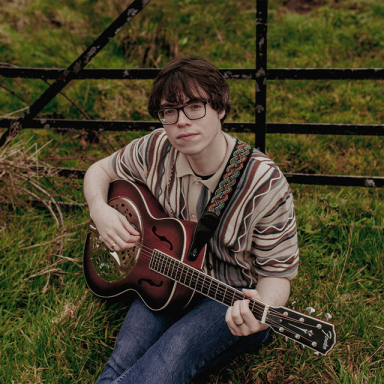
{"type": "Point", "coordinates": [109, 274]}
{"type": "Point", "coordinates": [158, 269]}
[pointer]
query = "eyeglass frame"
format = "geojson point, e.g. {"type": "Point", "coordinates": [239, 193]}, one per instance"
{"type": "Point", "coordinates": [205, 102]}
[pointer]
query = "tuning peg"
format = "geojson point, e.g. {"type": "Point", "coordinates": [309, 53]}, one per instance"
{"type": "Point", "coordinates": [286, 339]}
{"type": "Point", "coordinates": [302, 346]}
{"type": "Point", "coordinates": [317, 353]}
{"type": "Point", "coordinates": [293, 304]}
{"type": "Point", "coordinates": [328, 316]}
{"type": "Point", "coordinates": [310, 310]}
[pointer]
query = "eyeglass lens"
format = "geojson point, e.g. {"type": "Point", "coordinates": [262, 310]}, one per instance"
{"type": "Point", "coordinates": [193, 111]}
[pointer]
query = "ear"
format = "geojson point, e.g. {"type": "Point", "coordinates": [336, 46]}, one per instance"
{"type": "Point", "coordinates": [221, 114]}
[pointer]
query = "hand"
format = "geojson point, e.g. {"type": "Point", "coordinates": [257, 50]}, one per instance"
{"type": "Point", "coordinates": [240, 319]}
{"type": "Point", "coordinates": [114, 229]}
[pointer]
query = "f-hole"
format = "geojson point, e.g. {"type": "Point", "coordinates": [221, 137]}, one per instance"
{"type": "Point", "coordinates": [162, 238]}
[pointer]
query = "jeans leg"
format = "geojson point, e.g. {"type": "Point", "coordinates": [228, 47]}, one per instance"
{"type": "Point", "coordinates": [141, 328]}
{"type": "Point", "coordinates": [200, 340]}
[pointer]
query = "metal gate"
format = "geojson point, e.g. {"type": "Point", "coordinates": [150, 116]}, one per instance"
{"type": "Point", "coordinates": [261, 75]}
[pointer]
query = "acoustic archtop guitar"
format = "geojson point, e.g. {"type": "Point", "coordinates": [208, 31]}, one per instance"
{"type": "Point", "coordinates": [159, 271]}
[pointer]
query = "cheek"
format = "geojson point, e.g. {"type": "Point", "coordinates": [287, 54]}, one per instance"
{"type": "Point", "coordinates": [171, 132]}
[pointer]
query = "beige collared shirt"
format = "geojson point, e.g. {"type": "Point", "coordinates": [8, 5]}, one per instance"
{"type": "Point", "coordinates": [194, 185]}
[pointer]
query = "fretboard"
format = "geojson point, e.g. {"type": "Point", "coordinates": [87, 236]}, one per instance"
{"type": "Point", "coordinates": [203, 283]}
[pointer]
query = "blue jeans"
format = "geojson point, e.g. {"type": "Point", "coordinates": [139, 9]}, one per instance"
{"type": "Point", "coordinates": [164, 347]}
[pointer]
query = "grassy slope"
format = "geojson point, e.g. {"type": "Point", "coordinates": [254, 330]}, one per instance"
{"type": "Point", "coordinates": [63, 334]}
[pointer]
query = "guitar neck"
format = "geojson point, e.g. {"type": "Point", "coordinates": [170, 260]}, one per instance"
{"type": "Point", "coordinates": [204, 284]}
{"type": "Point", "coordinates": [306, 330]}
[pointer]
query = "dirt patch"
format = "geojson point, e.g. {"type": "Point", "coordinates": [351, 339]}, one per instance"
{"type": "Point", "coordinates": [303, 6]}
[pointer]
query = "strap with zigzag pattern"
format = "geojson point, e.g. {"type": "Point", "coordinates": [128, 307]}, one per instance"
{"type": "Point", "coordinates": [233, 171]}
{"type": "Point", "coordinates": [225, 189]}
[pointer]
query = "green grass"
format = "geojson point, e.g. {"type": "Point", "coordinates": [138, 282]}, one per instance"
{"type": "Point", "coordinates": [53, 330]}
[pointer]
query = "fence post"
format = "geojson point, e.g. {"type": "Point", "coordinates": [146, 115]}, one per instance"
{"type": "Point", "coordinates": [261, 73]}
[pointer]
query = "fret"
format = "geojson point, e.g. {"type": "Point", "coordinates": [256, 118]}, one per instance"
{"type": "Point", "coordinates": [210, 283]}
{"type": "Point", "coordinates": [178, 272]}
{"type": "Point", "coordinates": [224, 293]}
{"type": "Point", "coordinates": [203, 284]}
{"type": "Point", "coordinates": [185, 278]}
{"type": "Point", "coordinates": [252, 307]}
{"type": "Point", "coordinates": [154, 261]}
{"type": "Point", "coordinates": [171, 267]}
{"type": "Point", "coordinates": [219, 292]}
{"type": "Point", "coordinates": [200, 281]}
{"type": "Point", "coordinates": [200, 276]}
{"type": "Point", "coordinates": [233, 298]}
{"type": "Point", "coordinates": [217, 287]}
{"type": "Point", "coordinates": [193, 280]}
{"type": "Point", "coordinates": [212, 288]}
{"type": "Point", "coordinates": [188, 278]}
{"type": "Point", "coordinates": [162, 266]}
{"type": "Point", "coordinates": [168, 266]}
{"type": "Point", "coordinates": [229, 292]}
{"type": "Point", "coordinates": [185, 275]}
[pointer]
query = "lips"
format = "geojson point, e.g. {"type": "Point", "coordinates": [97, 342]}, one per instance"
{"type": "Point", "coordinates": [186, 136]}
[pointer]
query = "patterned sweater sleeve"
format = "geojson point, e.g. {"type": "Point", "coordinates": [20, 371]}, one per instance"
{"type": "Point", "coordinates": [136, 161]}
{"type": "Point", "coordinates": [274, 233]}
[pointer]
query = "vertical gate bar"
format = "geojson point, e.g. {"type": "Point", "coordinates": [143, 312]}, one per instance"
{"type": "Point", "coordinates": [71, 72]}
{"type": "Point", "coordinates": [261, 73]}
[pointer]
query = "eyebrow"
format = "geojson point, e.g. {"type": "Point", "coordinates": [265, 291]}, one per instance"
{"type": "Point", "coordinates": [174, 105]}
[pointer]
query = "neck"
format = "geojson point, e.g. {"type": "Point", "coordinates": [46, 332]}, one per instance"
{"type": "Point", "coordinates": [208, 162]}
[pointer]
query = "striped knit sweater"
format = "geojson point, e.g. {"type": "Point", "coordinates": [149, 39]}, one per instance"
{"type": "Point", "coordinates": [257, 231]}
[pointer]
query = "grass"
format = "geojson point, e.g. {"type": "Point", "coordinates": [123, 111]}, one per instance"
{"type": "Point", "coordinates": [53, 330]}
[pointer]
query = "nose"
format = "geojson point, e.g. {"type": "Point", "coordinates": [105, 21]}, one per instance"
{"type": "Point", "coordinates": [183, 119]}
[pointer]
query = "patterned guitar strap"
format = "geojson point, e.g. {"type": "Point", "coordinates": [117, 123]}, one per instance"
{"type": "Point", "coordinates": [225, 189]}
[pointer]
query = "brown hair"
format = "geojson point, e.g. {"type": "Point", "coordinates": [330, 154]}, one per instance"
{"type": "Point", "coordinates": [190, 77]}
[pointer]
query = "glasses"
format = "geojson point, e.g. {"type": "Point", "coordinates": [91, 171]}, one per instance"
{"type": "Point", "coordinates": [193, 110]}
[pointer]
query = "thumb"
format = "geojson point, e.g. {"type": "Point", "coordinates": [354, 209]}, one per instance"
{"type": "Point", "coordinates": [251, 293]}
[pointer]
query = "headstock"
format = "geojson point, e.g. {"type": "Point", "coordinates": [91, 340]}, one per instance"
{"type": "Point", "coordinates": [307, 330]}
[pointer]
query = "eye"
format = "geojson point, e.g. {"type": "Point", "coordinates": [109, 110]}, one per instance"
{"type": "Point", "coordinates": [169, 111]}
{"type": "Point", "coordinates": [195, 107]}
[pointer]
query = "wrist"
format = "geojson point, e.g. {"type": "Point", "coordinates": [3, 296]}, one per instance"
{"type": "Point", "coordinates": [96, 206]}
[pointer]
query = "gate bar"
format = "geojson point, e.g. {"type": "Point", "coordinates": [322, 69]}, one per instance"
{"type": "Point", "coordinates": [228, 73]}
{"type": "Point", "coordinates": [71, 72]}
{"type": "Point", "coordinates": [132, 125]}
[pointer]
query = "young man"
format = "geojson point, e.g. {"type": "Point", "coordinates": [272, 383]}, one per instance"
{"type": "Point", "coordinates": [254, 247]}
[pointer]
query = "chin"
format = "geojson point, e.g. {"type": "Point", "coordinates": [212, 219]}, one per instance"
{"type": "Point", "coordinates": [188, 150]}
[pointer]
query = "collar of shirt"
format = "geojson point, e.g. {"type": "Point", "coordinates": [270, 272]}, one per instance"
{"type": "Point", "coordinates": [183, 167]}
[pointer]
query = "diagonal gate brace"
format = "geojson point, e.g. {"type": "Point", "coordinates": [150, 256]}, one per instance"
{"type": "Point", "coordinates": [72, 71]}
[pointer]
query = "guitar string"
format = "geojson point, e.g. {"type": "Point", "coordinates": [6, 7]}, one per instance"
{"type": "Point", "coordinates": [184, 269]}
{"type": "Point", "coordinates": [221, 288]}
{"type": "Point", "coordinates": [157, 259]}
{"type": "Point", "coordinates": [170, 262]}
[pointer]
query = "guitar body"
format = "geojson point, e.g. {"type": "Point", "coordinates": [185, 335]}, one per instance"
{"type": "Point", "coordinates": [159, 271]}
{"type": "Point", "coordinates": [109, 274]}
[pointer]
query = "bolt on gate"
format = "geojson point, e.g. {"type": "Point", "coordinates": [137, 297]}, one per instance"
{"type": "Point", "coordinates": [261, 75]}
